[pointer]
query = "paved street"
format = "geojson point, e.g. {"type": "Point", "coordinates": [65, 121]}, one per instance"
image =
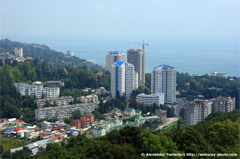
{"type": "Point", "coordinates": [179, 106]}
{"type": "Point", "coordinates": [169, 121]}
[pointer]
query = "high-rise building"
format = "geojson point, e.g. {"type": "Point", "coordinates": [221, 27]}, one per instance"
{"type": "Point", "coordinates": [122, 78]}
{"type": "Point", "coordinates": [163, 79]}
{"type": "Point", "coordinates": [223, 104]}
{"type": "Point", "coordinates": [112, 57]}
{"type": "Point", "coordinates": [18, 52]}
{"type": "Point", "coordinates": [70, 53]}
{"type": "Point", "coordinates": [137, 58]}
{"type": "Point", "coordinates": [196, 111]}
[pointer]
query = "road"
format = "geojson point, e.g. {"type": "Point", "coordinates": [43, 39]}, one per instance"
{"type": "Point", "coordinates": [179, 106]}
{"type": "Point", "coordinates": [169, 121]}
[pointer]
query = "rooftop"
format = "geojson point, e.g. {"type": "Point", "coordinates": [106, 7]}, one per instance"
{"type": "Point", "coordinates": [115, 52]}
{"type": "Point", "coordinates": [128, 109]}
{"type": "Point", "coordinates": [164, 66]}
{"type": "Point", "coordinates": [119, 63]}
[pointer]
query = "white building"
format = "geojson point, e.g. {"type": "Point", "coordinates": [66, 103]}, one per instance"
{"type": "Point", "coordinates": [148, 99]}
{"type": "Point", "coordinates": [112, 57]}
{"type": "Point", "coordinates": [62, 111]}
{"type": "Point", "coordinates": [122, 79]}
{"type": "Point", "coordinates": [18, 52]}
{"type": "Point", "coordinates": [163, 79]}
{"type": "Point", "coordinates": [223, 104]}
{"type": "Point", "coordinates": [51, 92]}
{"type": "Point", "coordinates": [93, 98]}
{"type": "Point", "coordinates": [70, 53]}
{"type": "Point", "coordinates": [98, 131]}
{"type": "Point", "coordinates": [219, 74]}
{"type": "Point", "coordinates": [129, 111]}
{"type": "Point", "coordinates": [22, 88]}
{"type": "Point", "coordinates": [196, 111]}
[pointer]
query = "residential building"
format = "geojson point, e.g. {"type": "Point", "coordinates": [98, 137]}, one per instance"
{"type": "Point", "coordinates": [219, 74]}
{"type": "Point", "coordinates": [112, 57]}
{"type": "Point", "coordinates": [85, 122]}
{"type": "Point", "coordinates": [138, 112]}
{"type": "Point", "coordinates": [162, 114]}
{"type": "Point", "coordinates": [18, 52]}
{"type": "Point", "coordinates": [70, 53]}
{"type": "Point", "coordinates": [129, 111]}
{"type": "Point", "coordinates": [116, 112]}
{"type": "Point", "coordinates": [196, 111]}
{"type": "Point", "coordinates": [137, 58]}
{"type": "Point", "coordinates": [54, 83]}
{"type": "Point", "coordinates": [140, 119]}
{"type": "Point", "coordinates": [93, 98]}
{"type": "Point", "coordinates": [4, 56]}
{"type": "Point", "coordinates": [22, 88]}
{"type": "Point", "coordinates": [64, 100]}
{"type": "Point", "coordinates": [223, 104]}
{"type": "Point", "coordinates": [148, 99]}
{"type": "Point", "coordinates": [122, 79]}
{"type": "Point", "coordinates": [76, 123]}
{"type": "Point", "coordinates": [163, 79]}
{"type": "Point", "coordinates": [62, 111]}
{"type": "Point", "coordinates": [98, 131]}
{"type": "Point", "coordinates": [35, 89]}
{"type": "Point", "coordinates": [51, 92]}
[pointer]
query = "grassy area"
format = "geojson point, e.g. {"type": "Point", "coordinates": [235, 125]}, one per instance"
{"type": "Point", "coordinates": [10, 142]}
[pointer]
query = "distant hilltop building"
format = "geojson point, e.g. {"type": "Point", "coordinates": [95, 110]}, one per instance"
{"type": "Point", "coordinates": [123, 79]}
{"type": "Point", "coordinates": [219, 74]}
{"type": "Point", "coordinates": [18, 52]}
{"type": "Point", "coordinates": [112, 57]}
{"type": "Point", "coordinates": [92, 61]}
{"type": "Point", "coordinates": [70, 53]}
{"type": "Point", "coordinates": [4, 56]}
{"type": "Point", "coordinates": [163, 79]}
{"type": "Point", "coordinates": [137, 58]}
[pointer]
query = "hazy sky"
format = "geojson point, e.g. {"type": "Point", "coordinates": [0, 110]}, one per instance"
{"type": "Point", "coordinates": [120, 18]}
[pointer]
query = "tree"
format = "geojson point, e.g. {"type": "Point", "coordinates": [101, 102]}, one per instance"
{"type": "Point", "coordinates": [76, 114]}
{"type": "Point", "coordinates": [1, 149]}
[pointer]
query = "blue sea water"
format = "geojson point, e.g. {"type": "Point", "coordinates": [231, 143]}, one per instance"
{"type": "Point", "coordinates": [201, 56]}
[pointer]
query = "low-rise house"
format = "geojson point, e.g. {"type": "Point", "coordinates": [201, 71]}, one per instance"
{"type": "Point", "coordinates": [98, 131]}
{"type": "Point", "coordinates": [93, 98]}
{"type": "Point", "coordinates": [85, 122]}
{"type": "Point", "coordinates": [138, 112]}
{"type": "Point", "coordinates": [129, 111]}
{"type": "Point", "coordinates": [116, 112]}
{"type": "Point", "coordinates": [152, 118]}
{"type": "Point", "coordinates": [76, 123]}
{"type": "Point", "coordinates": [140, 119]}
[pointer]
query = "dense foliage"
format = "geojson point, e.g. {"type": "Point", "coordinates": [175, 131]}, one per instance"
{"type": "Point", "coordinates": [219, 133]}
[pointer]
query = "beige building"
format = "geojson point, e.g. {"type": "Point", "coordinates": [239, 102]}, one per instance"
{"type": "Point", "coordinates": [162, 114]}
{"type": "Point", "coordinates": [223, 104]}
{"type": "Point", "coordinates": [65, 100]}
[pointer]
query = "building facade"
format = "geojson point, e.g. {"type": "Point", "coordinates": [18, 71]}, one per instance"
{"type": "Point", "coordinates": [51, 92]}
{"type": "Point", "coordinates": [163, 79]}
{"type": "Point", "coordinates": [148, 99]}
{"type": "Point", "coordinates": [122, 79]}
{"type": "Point", "coordinates": [162, 114]}
{"type": "Point", "coordinates": [64, 100]}
{"type": "Point", "coordinates": [137, 58]}
{"type": "Point", "coordinates": [98, 131]}
{"type": "Point", "coordinates": [93, 98]}
{"type": "Point", "coordinates": [18, 52]}
{"type": "Point", "coordinates": [62, 111]}
{"type": "Point", "coordinates": [219, 74]}
{"type": "Point", "coordinates": [112, 57]}
{"type": "Point", "coordinates": [196, 111]}
{"type": "Point", "coordinates": [223, 104]}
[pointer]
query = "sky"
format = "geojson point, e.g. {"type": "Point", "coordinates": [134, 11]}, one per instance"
{"type": "Point", "coordinates": [166, 19]}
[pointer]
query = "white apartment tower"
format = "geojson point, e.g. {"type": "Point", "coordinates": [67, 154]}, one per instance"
{"type": "Point", "coordinates": [18, 52]}
{"type": "Point", "coordinates": [137, 58]}
{"type": "Point", "coordinates": [163, 79]}
{"type": "Point", "coordinates": [112, 57]}
{"type": "Point", "coordinates": [122, 78]}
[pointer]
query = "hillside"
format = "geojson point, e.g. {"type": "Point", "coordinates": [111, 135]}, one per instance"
{"type": "Point", "coordinates": [52, 58]}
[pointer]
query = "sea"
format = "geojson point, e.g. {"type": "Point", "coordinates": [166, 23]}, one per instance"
{"type": "Point", "coordinates": [192, 55]}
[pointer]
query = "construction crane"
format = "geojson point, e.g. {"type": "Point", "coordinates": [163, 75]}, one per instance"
{"type": "Point", "coordinates": [140, 44]}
